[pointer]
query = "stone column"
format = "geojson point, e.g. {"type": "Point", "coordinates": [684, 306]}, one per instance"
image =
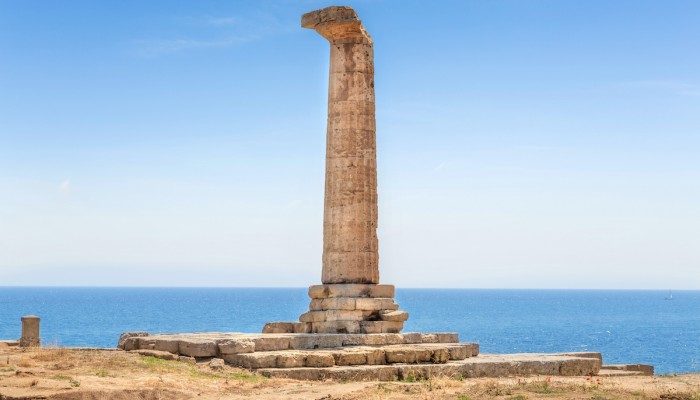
{"type": "Point", "coordinates": [350, 300]}
{"type": "Point", "coordinates": [350, 253]}
{"type": "Point", "coordinates": [30, 331]}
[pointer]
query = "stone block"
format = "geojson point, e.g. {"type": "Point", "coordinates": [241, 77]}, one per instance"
{"type": "Point", "coordinates": [376, 357]}
{"type": "Point", "coordinates": [333, 303]}
{"type": "Point", "coordinates": [236, 346]}
{"type": "Point", "coordinates": [375, 304]}
{"type": "Point", "coordinates": [197, 348]}
{"type": "Point", "coordinates": [217, 364]}
{"type": "Point", "coordinates": [131, 343]}
{"type": "Point", "coordinates": [278, 327]}
{"type": "Point", "coordinates": [448, 337]}
{"type": "Point", "coordinates": [126, 335]}
{"type": "Point", "coordinates": [320, 359]}
{"type": "Point", "coordinates": [333, 315]}
{"type": "Point", "coordinates": [390, 326]}
{"type": "Point", "coordinates": [579, 367]}
{"type": "Point", "coordinates": [474, 349]}
{"type": "Point", "coordinates": [146, 343]}
{"type": "Point", "coordinates": [645, 369]}
{"type": "Point", "coordinates": [317, 341]}
{"type": "Point", "coordinates": [350, 290]}
{"type": "Point", "coordinates": [302, 327]}
{"type": "Point", "coordinates": [439, 356]}
{"type": "Point", "coordinates": [336, 327]}
{"type": "Point", "coordinates": [252, 360]}
{"type": "Point", "coordinates": [169, 345]}
{"type": "Point", "coordinates": [459, 352]}
{"type": "Point", "coordinates": [271, 343]}
{"type": "Point", "coordinates": [412, 338]}
{"type": "Point", "coordinates": [429, 338]}
{"type": "Point", "coordinates": [30, 331]}
{"type": "Point", "coordinates": [393, 316]}
{"type": "Point", "coordinates": [400, 355]}
{"type": "Point", "coordinates": [291, 359]}
{"type": "Point", "coordinates": [350, 357]}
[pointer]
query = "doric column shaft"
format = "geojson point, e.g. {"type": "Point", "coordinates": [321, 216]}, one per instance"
{"type": "Point", "coordinates": [350, 248]}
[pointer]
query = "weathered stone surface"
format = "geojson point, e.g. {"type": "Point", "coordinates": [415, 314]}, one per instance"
{"type": "Point", "coordinates": [253, 360]}
{"type": "Point", "coordinates": [394, 316]}
{"type": "Point", "coordinates": [407, 354]}
{"type": "Point", "coordinates": [271, 343]}
{"type": "Point", "coordinates": [278, 327]}
{"type": "Point", "coordinates": [376, 304]}
{"type": "Point", "coordinates": [236, 346]}
{"type": "Point", "coordinates": [126, 335]}
{"type": "Point", "coordinates": [482, 366]}
{"type": "Point", "coordinates": [291, 359]}
{"type": "Point", "coordinates": [333, 303]}
{"type": "Point", "coordinates": [320, 359]}
{"type": "Point", "coordinates": [197, 348]}
{"type": "Point", "coordinates": [216, 364]}
{"type": "Point", "coordinates": [145, 343]}
{"type": "Point", "coordinates": [351, 357]}
{"type": "Point", "coordinates": [169, 345]}
{"type": "Point", "coordinates": [30, 331]}
{"type": "Point", "coordinates": [351, 290]}
{"type": "Point", "coordinates": [447, 337]}
{"type": "Point", "coordinates": [333, 315]}
{"type": "Point", "coordinates": [350, 209]}
{"type": "Point", "coordinates": [336, 327]}
{"type": "Point", "coordinates": [316, 341]}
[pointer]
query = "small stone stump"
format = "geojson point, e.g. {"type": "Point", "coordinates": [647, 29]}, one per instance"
{"type": "Point", "coordinates": [30, 331]}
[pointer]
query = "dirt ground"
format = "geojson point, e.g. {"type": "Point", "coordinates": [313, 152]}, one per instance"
{"type": "Point", "coordinates": [60, 373]}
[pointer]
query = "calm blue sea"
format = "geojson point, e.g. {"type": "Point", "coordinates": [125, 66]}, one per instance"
{"type": "Point", "coordinates": [626, 326]}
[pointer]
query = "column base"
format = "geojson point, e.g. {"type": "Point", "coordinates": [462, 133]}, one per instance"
{"type": "Point", "coordinates": [347, 308]}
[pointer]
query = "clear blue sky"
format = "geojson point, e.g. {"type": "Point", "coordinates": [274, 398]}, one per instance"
{"type": "Point", "coordinates": [538, 144]}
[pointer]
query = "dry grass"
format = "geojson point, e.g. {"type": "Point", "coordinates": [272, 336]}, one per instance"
{"type": "Point", "coordinates": [73, 371]}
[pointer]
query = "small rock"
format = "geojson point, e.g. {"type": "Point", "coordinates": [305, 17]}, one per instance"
{"type": "Point", "coordinates": [216, 364]}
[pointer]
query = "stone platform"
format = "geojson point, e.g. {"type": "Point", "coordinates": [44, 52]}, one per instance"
{"type": "Point", "coordinates": [382, 356]}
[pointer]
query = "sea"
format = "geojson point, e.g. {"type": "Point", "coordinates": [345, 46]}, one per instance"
{"type": "Point", "coordinates": [626, 326]}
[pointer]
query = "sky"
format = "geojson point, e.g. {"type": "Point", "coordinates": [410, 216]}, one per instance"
{"type": "Point", "coordinates": [521, 144]}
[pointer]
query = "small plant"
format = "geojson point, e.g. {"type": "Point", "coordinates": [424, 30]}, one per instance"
{"type": "Point", "coordinates": [74, 383]}
{"type": "Point", "coordinates": [463, 397]}
{"type": "Point", "coordinates": [539, 387]}
{"type": "Point", "coordinates": [519, 397]}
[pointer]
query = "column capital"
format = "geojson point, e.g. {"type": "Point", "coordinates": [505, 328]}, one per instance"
{"type": "Point", "coordinates": [336, 23]}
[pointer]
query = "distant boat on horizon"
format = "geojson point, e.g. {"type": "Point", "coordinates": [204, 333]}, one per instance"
{"type": "Point", "coordinates": [670, 296]}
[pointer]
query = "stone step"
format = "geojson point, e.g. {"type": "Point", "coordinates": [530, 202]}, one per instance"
{"type": "Point", "coordinates": [494, 366]}
{"type": "Point", "coordinates": [644, 369]}
{"type": "Point", "coordinates": [216, 344]}
{"type": "Point", "coordinates": [615, 372]}
{"type": "Point", "coordinates": [354, 355]}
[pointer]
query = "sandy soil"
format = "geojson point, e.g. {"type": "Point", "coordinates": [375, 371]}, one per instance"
{"type": "Point", "coordinates": [59, 373]}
